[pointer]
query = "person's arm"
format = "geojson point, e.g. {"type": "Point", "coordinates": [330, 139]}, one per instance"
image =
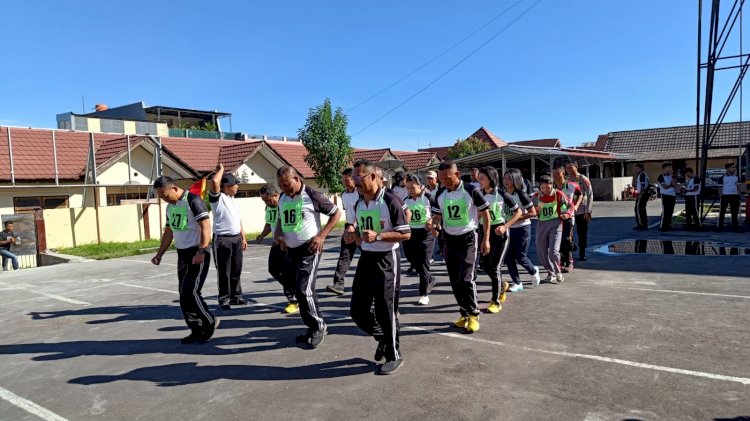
{"type": "Point", "coordinates": [322, 205]}
{"type": "Point", "coordinates": [214, 185]}
{"type": "Point", "coordinates": [244, 239]}
{"type": "Point", "coordinates": [263, 234]}
{"type": "Point", "coordinates": [562, 200]}
{"type": "Point", "coordinates": [577, 198]}
{"type": "Point", "coordinates": [588, 192]}
{"type": "Point", "coordinates": [437, 215]}
{"type": "Point", "coordinates": [483, 212]}
{"type": "Point", "coordinates": [200, 213]}
{"type": "Point", "coordinates": [166, 241]}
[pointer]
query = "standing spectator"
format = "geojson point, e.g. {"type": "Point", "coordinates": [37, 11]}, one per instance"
{"type": "Point", "coordinates": [475, 178]}
{"type": "Point", "coordinates": [229, 237]}
{"type": "Point", "coordinates": [349, 199]}
{"type": "Point", "coordinates": [583, 213]}
{"type": "Point", "coordinates": [8, 239]}
{"type": "Point", "coordinates": [399, 185]}
{"type": "Point", "coordinates": [431, 182]}
{"type": "Point", "coordinates": [730, 196]}
{"type": "Point", "coordinates": [667, 183]}
{"type": "Point", "coordinates": [642, 190]}
{"type": "Point", "coordinates": [692, 191]}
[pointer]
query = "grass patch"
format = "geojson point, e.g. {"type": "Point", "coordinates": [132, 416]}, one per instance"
{"type": "Point", "coordinates": [105, 251]}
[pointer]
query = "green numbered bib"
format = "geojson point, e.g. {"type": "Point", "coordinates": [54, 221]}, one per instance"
{"type": "Point", "coordinates": [178, 218]}
{"type": "Point", "coordinates": [272, 216]}
{"type": "Point", "coordinates": [291, 215]}
{"type": "Point", "coordinates": [496, 215]}
{"type": "Point", "coordinates": [548, 211]}
{"type": "Point", "coordinates": [418, 215]}
{"type": "Point", "coordinates": [369, 220]}
{"type": "Point", "coordinates": [456, 212]}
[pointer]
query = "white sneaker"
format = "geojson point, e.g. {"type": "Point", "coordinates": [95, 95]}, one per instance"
{"type": "Point", "coordinates": [423, 300]}
{"type": "Point", "coordinates": [549, 278]}
{"type": "Point", "coordinates": [560, 278]}
{"type": "Point", "coordinates": [536, 279]}
{"type": "Point", "coordinates": [516, 288]}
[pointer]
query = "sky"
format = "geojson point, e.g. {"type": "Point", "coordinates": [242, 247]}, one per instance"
{"type": "Point", "coordinates": [566, 69]}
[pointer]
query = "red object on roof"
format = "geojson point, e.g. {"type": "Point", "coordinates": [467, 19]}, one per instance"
{"type": "Point", "coordinates": [294, 154]}
{"type": "Point", "coordinates": [542, 143]}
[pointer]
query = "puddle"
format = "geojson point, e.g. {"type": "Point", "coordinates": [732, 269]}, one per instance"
{"type": "Point", "coordinates": [680, 248]}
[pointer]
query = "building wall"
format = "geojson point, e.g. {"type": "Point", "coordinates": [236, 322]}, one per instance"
{"type": "Point", "coordinates": [75, 196]}
{"type": "Point", "coordinates": [653, 168]}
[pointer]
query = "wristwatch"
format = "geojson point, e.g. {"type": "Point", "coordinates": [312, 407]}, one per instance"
{"type": "Point", "coordinates": [378, 238]}
{"type": "Point", "coordinates": [203, 250]}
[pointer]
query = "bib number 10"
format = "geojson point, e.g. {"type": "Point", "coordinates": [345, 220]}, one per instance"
{"type": "Point", "coordinates": [366, 223]}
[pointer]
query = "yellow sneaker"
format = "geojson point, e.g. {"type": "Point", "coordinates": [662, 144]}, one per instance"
{"type": "Point", "coordinates": [494, 307]}
{"type": "Point", "coordinates": [461, 322]}
{"type": "Point", "coordinates": [503, 289]}
{"type": "Point", "coordinates": [472, 324]}
{"type": "Point", "coordinates": [291, 308]}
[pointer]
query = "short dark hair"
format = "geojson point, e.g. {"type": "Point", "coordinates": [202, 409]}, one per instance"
{"type": "Point", "coordinates": [287, 170]}
{"type": "Point", "coordinates": [491, 174]}
{"type": "Point", "coordinates": [347, 171]}
{"type": "Point", "coordinates": [573, 163]}
{"type": "Point", "coordinates": [559, 168]}
{"type": "Point", "coordinates": [446, 165]}
{"type": "Point", "coordinates": [688, 169]}
{"type": "Point", "coordinates": [729, 165]}
{"type": "Point", "coordinates": [413, 178]}
{"type": "Point", "coordinates": [366, 164]}
{"type": "Point", "coordinates": [8, 223]}
{"type": "Point", "coordinates": [666, 164]}
{"type": "Point", "coordinates": [163, 182]}
{"type": "Point", "coordinates": [639, 165]}
{"type": "Point", "coordinates": [475, 169]}
{"type": "Point", "coordinates": [269, 189]}
{"type": "Point", "coordinates": [545, 179]}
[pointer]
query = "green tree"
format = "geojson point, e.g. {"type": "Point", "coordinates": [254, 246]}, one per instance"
{"type": "Point", "coordinates": [469, 146]}
{"type": "Point", "coordinates": [328, 145]}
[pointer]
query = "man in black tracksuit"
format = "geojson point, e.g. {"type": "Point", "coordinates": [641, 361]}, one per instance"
{"type": "Point", "coordinates": [642, 189]}
{"type": "Point", "coordinates": [346, 253]}
{"type": "Point", "coordinates": [188, 224]}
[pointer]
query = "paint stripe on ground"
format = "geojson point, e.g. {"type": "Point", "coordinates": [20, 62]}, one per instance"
{"type": "Point", "coordinates": [29, 406]}
{"type": "Point", "coordinates": [53, 296]}
{"type": "Point", "coordinates": [670, 291]}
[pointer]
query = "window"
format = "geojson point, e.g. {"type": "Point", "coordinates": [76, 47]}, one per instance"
{"type": "Point", "coordinates": [116, 199]}
{"type": "Point", "coordinates": [112, 126]}
{"type": "Point", "coordinates": [248, 193]}
{"type": "Point", "coordinates": [143, 127]}
{"type": "Point", "coordinates": [81, 123]}
{"type": "Point", "coordinates": [29, 204]}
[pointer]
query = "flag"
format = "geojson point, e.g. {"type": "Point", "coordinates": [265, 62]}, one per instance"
{"type": "Point", "coordinates": [199, 188]}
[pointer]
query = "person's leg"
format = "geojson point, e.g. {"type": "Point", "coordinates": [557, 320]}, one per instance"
{"type": "Point", "coordinates": [235, 273]}
{"type": "Point", "coordinates": [688, 211]}
{"type": "Point", "coordinates": [555, 237]}
{"type": "Point", "coordinates": [723, 210]}
{"type": "Point", "coordinates": [637, 210]}
{"type": "Point", "coordinates": [9, 256]}
{"type": "Point", "coordinates": [524, 252]}
{"type": "Point", "coordinates": [491, 263]}
{"type": "Point", "coordinates": [582, 229]}
{"type": "Point", "coordinates": [307, 297]}
{"type": "Point", "coordinates": [565, 246]}
{"type": "Point", "coordinates": [643, 213]}
{"type": "Point", "coordinates": [346, 253]}
{"type": "Point", "coordinates": [5, 260]}
{"type": "Point", "coordinates": [513, 254]}
{"type": "Point", "coordinates": [278, 266]}
{"type": "Point", "coordinates": [223, 252]}
{"type": "Point", "coordinates": [734, 204]}
{"type": "Point", "coordinates": [454, 253]}
{"type": "Point", "coordinates": [424, 267]}
{"type": "Point", "coordinates": [360, 307]}
{"type": "Point", "coordinates": [669, 210]}
{"type": "Point", "coordinates": [384, 287]}
{"type": "Point", "coordinates": [197, 315]}
{"type": "Point", "coordinates": [467, 276]}
{"type": "Point", "coordinates": [543, 245]}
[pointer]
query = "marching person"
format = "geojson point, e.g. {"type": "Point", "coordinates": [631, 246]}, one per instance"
{"type": "Point", "coordinates": [229, 237]}
{"type": "Point", "coordinates": [276, 256]}
{"type": "Point", "coordinates": [501, 204]}
{"type": "Point", "coordinates": [188, 224]}
{"type": "Point", "coordinates": [399, 185]}
{"type": "Point", "coordinates": [667, 185]}
{"type": "Point", "coordinates": [583, 212]}
{"type": "Point", "coordinates": [457, 208]}
{"type": "Point", "coordinates": [642, 188]}
{"type": "Point", "coordinates": [299, 232]}
{"type": "Point", "coordinates": [692, 190]}
{"type": "Point", "coordinates": [520, 232]}
{"type": "Point", "coordinates": [730, 197]}
{"type": "Point", "coordinates": [8, 239]}
{"type": "Point", "coordinates": [380, 225]}
{"type": "Point", "coordinates": [418, 248]}
{"type": "Point", "coordinates": [474, 176]}
{"type": "Point", "coordinates": [431, 182]}
{"type": "Point", "coordinates": [571, 190]}
{"type": "Point", "coordinates": [349, 198]}
{"type": "Point", "coordinates": [553, 208]}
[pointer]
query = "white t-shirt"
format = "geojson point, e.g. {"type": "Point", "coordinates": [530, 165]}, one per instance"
{"type": "Point", "coordinates": [729, 185]}
{"type": "Point", "coordinates": [666, 179]}
{"type": "Point", "coordinates": [691, 184]}
{"type": "Point", "coordinates": [348, 200]}
{"type": "Point", "coordinates": [226, 214]}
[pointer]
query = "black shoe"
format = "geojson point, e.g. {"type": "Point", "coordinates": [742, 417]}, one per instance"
{"type": "Point", "coordinates": [380, 351]}
{"type": "Point", "coordinates": [581, 258]}
{"type": "Point", "coordinates": [210, 332]}
{"type": "Point", "coordinates": [317, 338]}
{"type": "Point", "coordinates": [239, 301]}
{"type": "Point", "coordinates": [224, 305]}
{"type": "Point", "coordinates": [336, 289]}
{"type": "Point", "coordinates": [304, 339]}
{"type": "Point", "coordinates": [391, 367]}
{"type": "Point", "coordinates": [190, 339]}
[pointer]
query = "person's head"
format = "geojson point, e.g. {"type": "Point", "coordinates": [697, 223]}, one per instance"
{"type": "Point", "coordinates": [413, 185]}
{"type": "Point", "coordinates": [572, 168]}
{"type": "Point", "coordinates": [432, 179]}
{"type": "Point", "coordinates": [8, 226]}
{"type": "Point", "coordinates": [546, 184]}
{"type": "Point", "coordinates": [167, 190]}
{"type": "Point", "coordinates": [380, 176]}
{"type": "Point", "coordinates": [558, 174]}
{"type": "Point", "coordinates": [229, 184]}
{"type": "Point", "coordinates": [513, 180]}
{"type": "Point", "coordinates": [366, 178]}
{"type": "Point", "coordinates": [270, 195]}
{"type": "Point", "coordinates": [730, 168]}
{"type": "Point", "coordinates": [638, 168]}
{"type": "Point", "coordinates": [689, 173]}
{"type": "Point", "coordinates": [448, 174]}
{"type": "Point", "coordinates": [474, 174]}
{"type": "Point", "coordinates": [289, 180]}
{"type": "Point", "coordinates": [347, 180]}
{"type": "Point", "coordinates": [666, 168]}
{"type": "Point", "coordinates": [399, 179]}
{"type": "Point", "coordinates": [487, 178]}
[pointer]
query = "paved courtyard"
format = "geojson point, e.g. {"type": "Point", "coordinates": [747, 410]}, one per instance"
{"type": "Point", "coordinates": [625, 337]}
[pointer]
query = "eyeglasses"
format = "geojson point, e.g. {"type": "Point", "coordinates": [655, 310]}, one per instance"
{"type": "Point", "coordinates": [358, 178]}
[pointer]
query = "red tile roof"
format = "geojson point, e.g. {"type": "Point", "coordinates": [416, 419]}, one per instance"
{"type": "Point", "coordinates": [415, 160]}
{"type": "Point", "coordinates": [373, 155]}
{"type": "Point", "coordinates": [233, 156]}
{"type": "Point", "coordinates": [294, 154]}
{"type": "Point", "coordinates": [440, 151]}
{"type": "Point", "coordinates": [543, 143]}
{"type": "Point", "coordinates": [489, 137]}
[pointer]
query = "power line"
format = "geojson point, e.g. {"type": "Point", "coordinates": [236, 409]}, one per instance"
{"type": "Point", "coordinates": [436, 57]}
{"type": "Point", "coordinates": [495, 35]}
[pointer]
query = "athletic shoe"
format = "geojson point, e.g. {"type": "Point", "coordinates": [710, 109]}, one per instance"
{"type": "Point", "coordinates": [338, 290]}
{"type": "Point", "coordinates": [494, 307]}
{"type": "Point", "coordinates": [472, 324]}
{"type": "Point", "coordinates": [380, 351]}
{"type": "Point", "coordinates": [461, 322]}
{"type": "Point", "coordinates": [503, 288]}
{"type": "Point", "coordinates": [291, 308]}
{"type": "Point", "coordinates": [317, 337]}
{"type": "Point", "coordinates": [239, 301]}
{"type": "Point", "coordinates": [190, 339]}
{"type": "Point", "coordinates": [210, 332]}
{"type": "Point", "coordinates": [391, 367]}
{"type": "Point", "coordinates": [305, 338]}
{"type": "Point", "coordinates": [564, 269]}
{"type": "Point", "coordinates": [224, 305]}
{"type": "Point", "coordinates": [536, 279]}
{"type": "Point", "coordinates": [423, 300]}
{"type": "Point", "coordinates": [516, 288]}
{"type": "Point", "coordinates": [549, 277]}
{"type": "Point", "coordinates": [560, 278]}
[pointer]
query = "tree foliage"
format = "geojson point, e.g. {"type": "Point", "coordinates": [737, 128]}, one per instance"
{"type": "Point", "coordinates": [328, 145]}
{"type": "Point", "coordinates": [469, 146]}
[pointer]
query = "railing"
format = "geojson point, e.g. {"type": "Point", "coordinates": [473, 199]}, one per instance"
{"type": "Point", "coordinates": [205, 134]}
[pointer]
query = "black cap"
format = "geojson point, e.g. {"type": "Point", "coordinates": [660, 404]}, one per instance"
{"type": "Point", "coordinates": [228, 179]}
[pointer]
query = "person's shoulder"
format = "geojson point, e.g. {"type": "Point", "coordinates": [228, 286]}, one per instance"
{"type": "Point", "coordinates": [392, 199]}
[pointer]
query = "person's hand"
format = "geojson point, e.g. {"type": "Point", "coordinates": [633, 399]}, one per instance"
{"type": "Point", "coordinates": [485, 247]}
{"type": "Point", "coordinates": [157, 259]}
{"type": "Point", "coordinates": [565, 217]}
{"type": "Point", "coordinates": [369, 236]}
{"type": "Point", "coordinates": [244, 243]}
{"type": "Point", "coordinates": [349, 237]}
{"type": "Point", "coordinates": [436, 231]}
{"type": "Point", "coordinates": [501, 230]}
{"type": "Point", "coordinates": [199, 257]}
{"type": "Point", "coordinates": [280, 241]}
{"type": "Point", "coordinates": [588, 217]}
{"type": "Point", "coordinates": [12, 240]}
{"type": "Point", "coordinates": [259, 239]}
{"type": "Point", "coordinates": [316, 244]}
{"type": "Point", "coordinates": [428, 226]}
{"type": "Point", "coordinates": [219, 167]}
